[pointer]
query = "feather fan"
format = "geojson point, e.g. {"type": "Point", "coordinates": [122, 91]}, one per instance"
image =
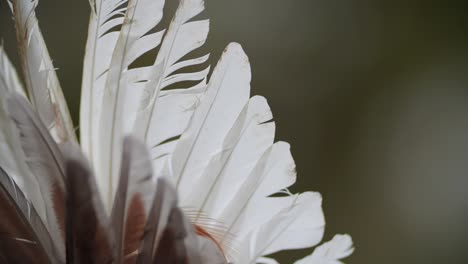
{"type": "Point", "coordinates": [78, 217]}
{"type": "Point", "coordinates": [175, 167]}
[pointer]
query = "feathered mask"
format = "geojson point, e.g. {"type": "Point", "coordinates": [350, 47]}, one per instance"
{"type": "Point", "coordinates": [170, 168]}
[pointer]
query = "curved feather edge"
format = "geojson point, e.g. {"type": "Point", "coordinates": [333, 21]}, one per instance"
{"type": "Point", "coordinates": [41, 80]}
{"type": "Point", "coordinates": [45, 159]}
{"type": "Point", "coordinates": [240, 168]}
{"type": "Point", "coordinates": [12, 158]}
{"type": "Point", "coordinates": [141, 17]}
{"type": "Point", "coordinates": [331, 252]}
{"type": "Point", "coordinates": [297, 225]}
{"type": "Point", "coordinates": [226, 95]}
{"type": "Point", "coordinates": [24, 237]}
{"type": "Point", "coordinates": [105, 16]}
{"type": "Point", "coordinates": [181, 38]}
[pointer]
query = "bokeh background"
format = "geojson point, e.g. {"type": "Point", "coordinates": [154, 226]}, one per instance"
{"type": "Point", "coordinates": [371, 94]}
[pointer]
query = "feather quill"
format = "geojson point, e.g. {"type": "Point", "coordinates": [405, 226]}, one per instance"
{"type": "Point", "coordinates": [9, 80]}
{"type": "Point", "coordinates": [331, 252]}
{"type": "Point", "coordinates": [106, 16]}
{"type": "Point", "coordinates": [250, 136]}
{"type": "Point", "coordinates": [172, 109]}
{"type": "Point", "coordinates": [181, 38]}
{"type": "Point", "coordinates": [211, 140]}
{"type": "Point", "coordinates": [141, 16]}
{"type": "Point", "coordinates": [227, 93]}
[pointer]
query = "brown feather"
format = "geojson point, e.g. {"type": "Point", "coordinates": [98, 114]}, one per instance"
{"type": "Point", "coordinates": [16, 240]}
{"type": "Point", "coordinates": [23, 236]}
{"type": "Point", "coordinates": [135, 226]}
{"type": "Point", "coordinates": [171, 247]}
{"type": "Point", "coordinates": [59, 207]}
{"type": "Point", "coordinates": [164, 201]}
{"type": "Point", "coordinates": [88, 236]}
{"type": "Point", "coordinates": [134, 192]}
{"type": "Point", "coordinates": [45, 160]}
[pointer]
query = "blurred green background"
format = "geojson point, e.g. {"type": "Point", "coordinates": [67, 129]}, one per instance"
{"type": "Point", "coordinates": [372, 96]}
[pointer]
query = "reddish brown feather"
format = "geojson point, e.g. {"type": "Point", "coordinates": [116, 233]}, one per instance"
{"type": "Point", "coordinates": [88, 235]}
{"type": "Point", "coordinates": [13, 226]}
{"type": "Point", "coordinates": [200, 231]}
{"type": "Point", "coordinates": [102, 239]}
{"type": "Point", "coordinates": [58, 199]}
{"type": "Point", "coordinates": [171, 248]}
{"type": "Point", "coordinates": [134, 228]}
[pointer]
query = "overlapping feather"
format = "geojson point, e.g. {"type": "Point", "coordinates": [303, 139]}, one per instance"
{"type": "Point", "coordinates": [89, 238]}
{"type": "Point", "coordinates": [226, 95]}
{"type": "Point", "coordinates": [12, 158]}
{"type": "Point", "coordinates": [45, 159]}
{"type": "Point", "coordinates": [77, 220]}
{"type": "Point", "coordinates": [106, 18]}
{"type": "Point", "coordinates": [225, 167]}
{"type": "Point", "coordinates": [135, 97]}
{"type": "Point", "coordinates": [130, 45]}
{"type": "Point", "coordinates": [228, 154]}
{"type": "Point", "coordinates": [133, 200]}
{"type": "Point", "coordinates": [39, 73]}
{"type": "Point", "coordinates": [23, 236]}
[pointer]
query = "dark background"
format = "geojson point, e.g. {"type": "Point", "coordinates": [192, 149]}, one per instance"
{"type": "Point", "coordinates": [372, 96]}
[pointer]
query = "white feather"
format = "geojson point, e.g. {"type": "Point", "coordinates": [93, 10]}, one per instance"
{"type": "Point", "coordinates": [226, 167]}
{"type": "Point", "coordinates": [45, 160]}
{"type": "Point", "coordinates": [12, 158]}
{"type": "Point", "coordinates": [105, 16]}
{"type": "Point", "coordinates": [227, 93]}
{"type": "Point", "coordinates": [267, 261]}
{"type": "Point", "coordinates": [331, 252]}
{"type": "Point", "coordinates": [141, 17]}
{"type": "Point", "coordinates": [299, 224]}
{"type": "Point", "coordinates": [9, 81]}
{"type": "Point", "coordinates": [250, 136]}
{"type": "Point", "coordinates": [155, 109]}
{"type": "Point", "coordinates": [41, 80]}
{"type": "Point", "coordinates": [166, 125]}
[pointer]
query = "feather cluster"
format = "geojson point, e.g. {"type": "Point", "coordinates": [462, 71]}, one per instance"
{"type": "Point", "coordinates": [171, 166]}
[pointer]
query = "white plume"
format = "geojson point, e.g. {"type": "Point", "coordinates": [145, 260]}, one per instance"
{"type": "Point", "coordinates": [103, 31]}
{"type": "Point", "coordinates": [12, 158]}
{"type": "Point", "coordinates": [331, 252]}
{"type": "Point", "coordinates": [210, 138]}
{"type": "Point", "coordinates": [40, 77]}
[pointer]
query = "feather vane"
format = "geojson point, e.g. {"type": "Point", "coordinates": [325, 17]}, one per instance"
{"type": "Point", "coordinates": [45, 159]}
{"type": "Point", "coordinates": [41, 80]}
{"type": "Point", "coordinates": [201, 141]}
